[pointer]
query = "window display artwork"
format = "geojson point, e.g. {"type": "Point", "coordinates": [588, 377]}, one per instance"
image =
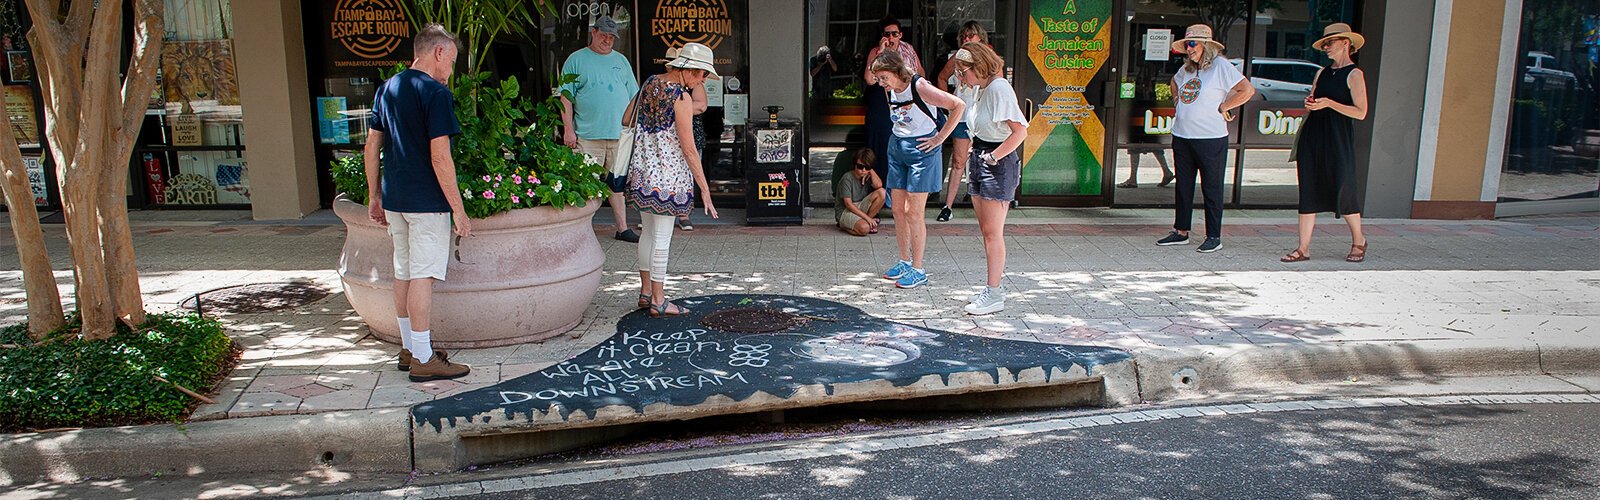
{"type": "Point", "coordinates": [24, 120]}
{"type": "Point", "coordinates": [36, 183]}
{"type": "Point", "coordinates": [199, 74]}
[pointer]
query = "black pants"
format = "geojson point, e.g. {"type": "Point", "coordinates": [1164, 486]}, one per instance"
{"type": "Point", "coordinates": [1209, 158]}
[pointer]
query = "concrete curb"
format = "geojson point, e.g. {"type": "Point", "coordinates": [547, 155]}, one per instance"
{"type": "Point", "coordinates": [379, 440]}
{"type": "Point", "coordinates": [366, 440]}
{"type": "Point", "coordinates": [1165, 374]}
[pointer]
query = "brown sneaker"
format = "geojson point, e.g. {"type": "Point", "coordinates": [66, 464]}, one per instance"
{"type": "Point", "coordinates": [406, 358]}
{"type": "Point", "coordinates": [438, 368]}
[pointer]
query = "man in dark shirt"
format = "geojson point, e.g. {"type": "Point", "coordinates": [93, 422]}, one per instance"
{"type": "Point", "coordinates": [413, 119]}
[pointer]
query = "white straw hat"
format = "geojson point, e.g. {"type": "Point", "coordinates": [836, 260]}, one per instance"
{"type": "Point", "coordinates": [694, 56]}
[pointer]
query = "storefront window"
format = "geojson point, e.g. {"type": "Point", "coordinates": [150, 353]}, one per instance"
{"type": "Point", "coordinates": [22, 104]}
{"type": "Point", "coordinates": [1553, 144]}
{"type": "Point", "coordinates": [191, 151]}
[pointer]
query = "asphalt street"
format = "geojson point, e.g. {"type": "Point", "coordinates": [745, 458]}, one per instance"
{"type": "Point", "coordinates": [1447, 451]}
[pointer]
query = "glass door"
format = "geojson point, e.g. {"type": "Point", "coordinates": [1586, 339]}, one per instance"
{"type": "Point", "coordinates": [1062, 75]}
{"type": "Point", "coordinates": [1143, 162]}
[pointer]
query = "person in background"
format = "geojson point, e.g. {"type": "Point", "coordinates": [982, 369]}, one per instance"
{"type": "Point", "coordinates": [961, 144]}
{"type": "Point", "coordinates": [1156, 150]}
{"type": "Point", "coordinates": [415, 193]}
{"type": "Point", "coordinates": [822, 69]}
{"type": "Point", "coordinates": [1206, 91]}
{"type": "Point", "coordinates": [998, 129]}
{"type": "Point", "coordinates": [591, 118]}
{"type": "Point", "coordinates": [860, 196]}
{"type": "Point", "coordinates": [1326, 153]}
{"type": "Point", "coordinates": [665, 168]}
{"type": "Point", "coordinates": [915, 159]}
{"type": "Point", "coordinates": [878, 127]}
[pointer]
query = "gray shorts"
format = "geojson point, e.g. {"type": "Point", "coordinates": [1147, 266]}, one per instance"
{"type": "Point", "coordinates": [996, 182]}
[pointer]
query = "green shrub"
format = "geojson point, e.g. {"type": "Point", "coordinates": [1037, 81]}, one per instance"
{"type": "Point", "coordinates": [506, 156]}
{"type": "Point", "coordinates": [62, 382]}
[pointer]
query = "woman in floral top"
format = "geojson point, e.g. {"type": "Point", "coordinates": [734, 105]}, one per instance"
{"type": "Point", "coordinates": [665, 168]}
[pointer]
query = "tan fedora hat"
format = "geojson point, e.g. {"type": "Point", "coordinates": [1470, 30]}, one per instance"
{"type": "Point", "coordinates": [1339, 30]}
{"type": "Point", "coordinates": [1196, 33]}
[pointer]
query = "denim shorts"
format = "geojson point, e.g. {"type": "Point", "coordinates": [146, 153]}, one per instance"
{"type": "Point", "coordinates": [993, 182]}
{"type": "Point", "coordinates": [961, 131]}
{"type": "Point", "coordinates": [914, 170]}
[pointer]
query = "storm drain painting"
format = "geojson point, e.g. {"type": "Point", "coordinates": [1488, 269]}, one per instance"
{"type": "Point", "coordinates": [682, 361]}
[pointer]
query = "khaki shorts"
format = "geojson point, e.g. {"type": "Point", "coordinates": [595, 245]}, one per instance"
{"type": "Point", "coordinates": [603, 150]}
{"type": "Point", "coordinates": [848, 220]}
{"type": "Point", "coordinates": [421, 244]}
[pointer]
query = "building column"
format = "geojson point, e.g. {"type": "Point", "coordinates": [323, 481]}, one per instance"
{"type": "Point", "coordinates": [1470, 79]}
{"type": "Point", "coordinates": [279, 132]}
{"type": "Point", "coordinates": [777, 57]}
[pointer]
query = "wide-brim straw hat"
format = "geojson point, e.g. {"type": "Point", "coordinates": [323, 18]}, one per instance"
{"type": "Point", "coordinates": [1339, 30]}
{"type": "Point", "coordinates": [693, 56]}
{"type": "Point", "coordinates": [1196, 33]}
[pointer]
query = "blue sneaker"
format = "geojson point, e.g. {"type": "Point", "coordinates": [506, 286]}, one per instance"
{"type": "Point", "coordinates": [913, 278]}
{"type": "Point", "coordinates": [899, 270]}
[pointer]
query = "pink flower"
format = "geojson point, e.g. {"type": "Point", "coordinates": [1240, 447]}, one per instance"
{"type": "Point", "coordinates": [530, 193]}
{"type": "Point", "coordinates": [498, 178]}
{"type": "Point", "coordinates": [486, 178]}
{"type": "Point", "coordinates": [515, 200]}
{"type": "Point", "coordinates": [516, 179]}
{"type": "Point", "coordinates": [496, 185]}
{"type": "Point", "coordinates": [488, 195]}
{"type": "Point", "coordinates": [534, 180]}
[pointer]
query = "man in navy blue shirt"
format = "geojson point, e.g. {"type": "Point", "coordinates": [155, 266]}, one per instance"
{"type": "Point", "coordinates": [413, 119]}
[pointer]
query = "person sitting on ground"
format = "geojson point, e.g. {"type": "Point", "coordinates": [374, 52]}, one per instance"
{"type": "Point", "coordinates": [860, 196]}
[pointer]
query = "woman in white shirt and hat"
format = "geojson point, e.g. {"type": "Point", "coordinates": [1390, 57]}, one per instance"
{"type": "Point", "coordinates": [1206, 91]}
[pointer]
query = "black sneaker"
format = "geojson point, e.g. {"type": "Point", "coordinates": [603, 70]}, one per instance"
{"type": "Point", "coordinates": [1211, 244]}
{"type": "Point", "coordinates": [944, 215]}
{"type": "Point", "coordinates": [628, 236]}
{"type": "Point", "coordinates": [1174, 238]}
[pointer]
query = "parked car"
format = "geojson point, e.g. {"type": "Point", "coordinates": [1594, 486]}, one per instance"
{"type": "Point", "coordinates": [1281, 80]}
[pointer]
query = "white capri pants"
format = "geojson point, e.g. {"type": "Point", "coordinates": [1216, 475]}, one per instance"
{"type": "Point", "coordinates": [654, 244]}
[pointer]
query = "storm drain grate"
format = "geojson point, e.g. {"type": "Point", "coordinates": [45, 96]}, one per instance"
{"type": "Point", "coordinates": [753, 320]}
{"type": "Point", "coordinates": [254, 298]}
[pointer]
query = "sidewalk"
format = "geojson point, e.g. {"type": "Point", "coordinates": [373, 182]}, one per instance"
{"type": "Point", "coordinates": [1074, 277]}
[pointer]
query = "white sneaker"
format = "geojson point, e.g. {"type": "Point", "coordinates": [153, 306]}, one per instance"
{"type": "Point", "coordinates": [981, 293]}
{"type": "Point", "coordinates": [988, 301]}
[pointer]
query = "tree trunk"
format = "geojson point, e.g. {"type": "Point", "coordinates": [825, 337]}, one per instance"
{"type": "Point", "coordinates": [91, 127]}
{"type": "Point", "coordinates": [128, 301]}
{"type": "Point", "coordinates": [38, 280]}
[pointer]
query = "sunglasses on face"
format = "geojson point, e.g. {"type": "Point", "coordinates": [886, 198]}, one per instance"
{"type": "Point", "coordinates": [1191, 44]}
{"type": "Point", "coordinates": [960, 70]}
{"type": "Point", "coordinates": [863, 167]}
{"type": "Point", "coordinates": [895, 34]}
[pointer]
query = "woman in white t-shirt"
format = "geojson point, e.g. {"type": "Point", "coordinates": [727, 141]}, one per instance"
{"type": "Point", "coordinates": [995, 169]}
{"type": "Point", "coordinates": [1205, 91]}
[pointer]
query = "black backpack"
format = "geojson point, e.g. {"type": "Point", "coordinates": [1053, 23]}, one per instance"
{"type": "Point", "coordinates": [916, 98]}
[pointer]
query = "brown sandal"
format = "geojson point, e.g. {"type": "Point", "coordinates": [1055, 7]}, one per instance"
{"type": "Point", "coordinates": [1295, 256]}
{"type": "Point", "coordinates": [1358, 253]}
{"type": "Point", "coordinates": [644, 301]}
{"type": "Point", "coordinates": [659, 310]}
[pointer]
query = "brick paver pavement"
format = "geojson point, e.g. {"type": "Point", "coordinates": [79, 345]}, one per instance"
{"type": "Point", "coordinates": [1079, 277]}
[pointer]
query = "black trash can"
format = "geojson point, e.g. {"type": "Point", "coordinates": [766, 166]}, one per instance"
{"type": "Point", "coordinates": [775, 183]}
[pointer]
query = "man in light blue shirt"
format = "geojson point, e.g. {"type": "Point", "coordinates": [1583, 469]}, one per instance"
{"type": "Point", "coordinates": [593, 116]}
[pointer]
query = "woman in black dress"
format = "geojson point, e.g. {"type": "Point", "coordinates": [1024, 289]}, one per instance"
{"type": "Point", "coordinates": [1326, 151]}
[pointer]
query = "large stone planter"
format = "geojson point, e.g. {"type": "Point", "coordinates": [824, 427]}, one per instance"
{"type": "Point", "coordinates": [524, 275]}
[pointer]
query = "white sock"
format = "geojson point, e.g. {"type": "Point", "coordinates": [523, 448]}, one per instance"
{"type": "Point", "coordinates": [906, 262]}
{"type": "Point", "coordinates": [422, 346]}
{"type": "Point", "coordinates": [405, 333]}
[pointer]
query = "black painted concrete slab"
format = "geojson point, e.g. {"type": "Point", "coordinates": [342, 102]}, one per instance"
{"type": "Point", "coordinates": [674, 368]}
